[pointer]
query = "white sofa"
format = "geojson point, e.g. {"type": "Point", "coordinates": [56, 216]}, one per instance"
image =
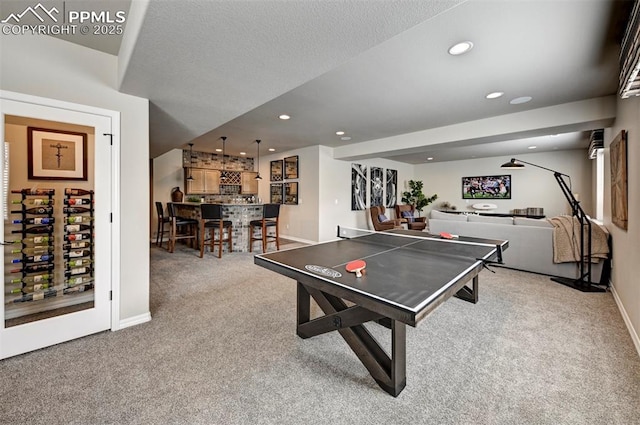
{"type": "Point", "coordinates": [530, 241]}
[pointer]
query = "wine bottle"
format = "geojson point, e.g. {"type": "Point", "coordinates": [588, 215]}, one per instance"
{"type": "Point", "coordinates": [75, 210]}
{"type": "Point", "coordinates": [32, 268]}
{"type": "Point", "coordinates": [77, 237]}
{"type": "Point", "coordinates": [77, 201]}
{"type": "Point", "coordinates": [79, 280]}
{"type": "Point", "coordinates": [32, 288]}
{"type": "Point", "coordinates": [33, 279]}
{"type": "Point", "coordinates": [80, 288]}
{"type": "Point", "coordinates": [35, 210]}
{"type": "Point", "coordinates": [34, 201]}
{"type": "Point", "coordinates": [33, 259]}
{"type": "Point", "coordinates": [79, 270]}
{"type": "Point", "coordinates": [34, 191]}
{"type": "Point", "coordinates": [34, 250]}
{"type": "Point", "coordinates": [35, 239]}
{"type": "Point", "coordinates": [77, 253]}
{"type": "Point", "coordinates": [77, 192]}
{"type": "Point", "coordinates": [76, 245]}
{"type": "Point", "coordinates": [36, 229]}
{"type": "Point", "coordinates": [78, 219]}
{"type": "Point", "coordinates": [34, 296]}
{"type": "Point", "coordinates": [76, 227]}
{"type": "Point", "coordinates": [78, 263]}
{"type": "Point", "coordinates": [35, 220]}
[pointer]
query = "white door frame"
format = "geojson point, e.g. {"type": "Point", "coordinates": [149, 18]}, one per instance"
{"type": "Point", "coordinates": [114, 116]}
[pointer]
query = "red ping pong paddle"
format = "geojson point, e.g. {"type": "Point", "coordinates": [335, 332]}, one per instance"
{"type": "Point", "coordinates": [445, 235]}
{"type": "Point", "coordinates": [356, 267]}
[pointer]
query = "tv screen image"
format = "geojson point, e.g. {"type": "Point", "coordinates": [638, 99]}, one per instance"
{"type": "Point", "coordinates": [487, 187]}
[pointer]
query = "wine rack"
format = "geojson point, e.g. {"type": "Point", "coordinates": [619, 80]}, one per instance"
{"type": "Point", "coordinates": [36, 245]}
{"type": "Point", "coordinates": [78, 244]}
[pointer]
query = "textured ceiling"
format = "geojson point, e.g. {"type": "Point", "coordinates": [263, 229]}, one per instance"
{"type": "Point", "coordinates": [374, 69]}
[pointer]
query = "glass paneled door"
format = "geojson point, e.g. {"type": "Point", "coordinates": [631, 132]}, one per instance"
{"type": "Point", "coordinates": [57, 196]}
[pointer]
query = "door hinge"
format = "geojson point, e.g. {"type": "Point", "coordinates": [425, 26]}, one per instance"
{"type": "Point", "coordinates": [110, 217]}
{"type": "Point", "coordinates": [110, 295]}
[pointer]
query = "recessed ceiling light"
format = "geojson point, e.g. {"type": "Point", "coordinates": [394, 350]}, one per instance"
{"type": "Point", "coordinates": [218, 150]}
{"type": "Point", "coordinates": [430, 158]}
{"type": "Point", "coordinates": [460, 48]}
{"type": "Point", "coordinates": [519, 100]}
{"type": "Point", "coordinates": [339, 133]}
{"type": "Point", "coordinates": [494, 95]}
{"type": "Point", "coordinates": [531, 147]}
{"type": "Point", "coordinates": [345, 138]}
{"type": "Point", "coordinates": [272, 150]}
{"type": "Point", "coordinates": [284, 117]}
{"type": "Point", "coordinates": [243, 153]}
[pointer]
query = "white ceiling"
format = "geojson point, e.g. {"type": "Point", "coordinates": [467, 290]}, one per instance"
{"type": "Point", "coordinates": [373, 69]}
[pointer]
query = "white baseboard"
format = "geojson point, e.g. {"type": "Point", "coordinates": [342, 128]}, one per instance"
{"type": "Point", "coordinates": [133, 321]}
{"type": "Point", "coordinates": [293, 238]}
{"type": "Point", "coordinates": [634, 334]}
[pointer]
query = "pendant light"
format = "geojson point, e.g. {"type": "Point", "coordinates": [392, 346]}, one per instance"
{"type": "Point", "coordinates": [190, 161]}
{"type": "Point", "coordinates": [223, 174]}
{"type": "Point", "coordinates": [258, 175]}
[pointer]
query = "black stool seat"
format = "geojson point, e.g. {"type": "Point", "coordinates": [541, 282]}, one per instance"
{"type": "Point", "coordinates": [216, 223]}
{"type": "Point", "coordinates": [270, 218]}
{"type": "Point", "coordinates": [211, 218]}
{"type": "Point", "coordinates": [177, 223]}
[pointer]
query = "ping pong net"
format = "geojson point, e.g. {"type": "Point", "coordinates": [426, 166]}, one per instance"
{"type": "Point", "coordinates": [391, 240]}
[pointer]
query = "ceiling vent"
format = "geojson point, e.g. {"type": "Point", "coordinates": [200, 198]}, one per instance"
{"type": "Point", "coordinates": [629, 84]}
{"type": "Point", "coordinates": [596, 143]}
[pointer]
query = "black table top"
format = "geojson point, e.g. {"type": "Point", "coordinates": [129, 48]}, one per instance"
{"type": "Point", "coordinates": [408, 272]}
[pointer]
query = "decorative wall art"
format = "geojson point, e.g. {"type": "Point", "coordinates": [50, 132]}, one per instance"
{"type": "Point", "coordinates": [358, 187]}
{"type": "Point", "coordinates": [291, 167]}
{"type": "Point", "coordinates": [391, 185]}
{"type": "Point", "coordinates": [56, 155]}
{"type": "Point", "coordinates": [276, 170]}
{"type": "Point", "coordinates": [275, 193]}
{"type": "Point", "coordinates": [619, 190]}
{"type": "Point", "coordinates": [486, 187]}
{"type": "Point", "coordinates": [377, 186]}
{"type": "Point", "coordinates": [291, 193]}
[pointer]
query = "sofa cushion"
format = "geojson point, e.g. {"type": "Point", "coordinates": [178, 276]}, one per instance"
{"type": "Point", "coordinates": [536, 222]}
{"type": "Point", "coordinates": [382, 218]}
{"type": "Point", "coordinates": [474, 218]}
{"type": "Point", "coordinates": [446, 216]}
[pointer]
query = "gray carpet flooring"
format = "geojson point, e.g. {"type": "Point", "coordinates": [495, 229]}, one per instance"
{"type": "Point", "coordinates": [222, 349]}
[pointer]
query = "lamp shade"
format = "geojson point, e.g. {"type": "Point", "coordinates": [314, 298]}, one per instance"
{"type": "Point", "coordinates": [513, 165]}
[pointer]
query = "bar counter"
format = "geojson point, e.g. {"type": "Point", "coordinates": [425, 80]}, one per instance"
{"type": "Point", "coordinates": [239, 214]}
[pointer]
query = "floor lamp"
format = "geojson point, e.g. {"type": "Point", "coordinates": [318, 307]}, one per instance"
{"type": "Point", "coordinates": [583, 283]}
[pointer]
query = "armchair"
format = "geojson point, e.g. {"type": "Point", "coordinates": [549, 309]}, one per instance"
{"type": "Point", "coordinates": [376, 213]}
{"type": "Point", "coordinates": [413, 223]}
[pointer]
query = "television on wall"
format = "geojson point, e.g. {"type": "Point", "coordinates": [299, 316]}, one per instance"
{"type": "Point", "coordinates": [487, 187]}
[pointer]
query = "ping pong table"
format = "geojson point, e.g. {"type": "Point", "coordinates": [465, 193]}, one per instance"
{"type": "Point", "coordinates": [408, 274]}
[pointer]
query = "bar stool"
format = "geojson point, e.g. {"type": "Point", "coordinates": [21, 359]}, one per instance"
{"type": "Point", "coordinates": [162, 220]}
{"type": "Point", "coordinates": [211, 219]}
{"type": "Point", "coordinates": [270, 218]}
{"type": "Point", "coordinates": [190, 225]}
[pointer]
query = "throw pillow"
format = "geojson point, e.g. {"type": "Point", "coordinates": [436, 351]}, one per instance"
{"type": "Point", "coordinates": [408, 215]}
{"type": "Point", "coordinates": [382, 218]}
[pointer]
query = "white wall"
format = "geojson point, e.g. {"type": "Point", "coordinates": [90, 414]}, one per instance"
{"type": "Point", "coordinates": [626, 244]}
{"type": "Point", "coordinates": [531, 186]}
{"type": "Point", "coordinates": [167, 174]}
{"type": "Point", "coordinates": [48, 67]}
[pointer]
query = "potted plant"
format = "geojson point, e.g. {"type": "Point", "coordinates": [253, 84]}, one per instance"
{"type": "Point", "coordinates": [415, 197]}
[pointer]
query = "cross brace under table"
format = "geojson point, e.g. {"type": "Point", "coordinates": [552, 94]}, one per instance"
{"type": "Point", "coordinates": [388, 371]}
